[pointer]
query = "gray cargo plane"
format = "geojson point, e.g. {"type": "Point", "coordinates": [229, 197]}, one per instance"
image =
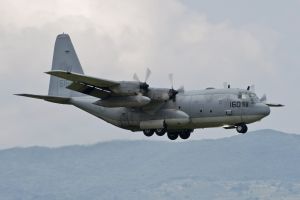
{"type": "Point", "coordinates": [135, 106]}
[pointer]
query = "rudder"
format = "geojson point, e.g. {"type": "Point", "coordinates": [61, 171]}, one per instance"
{"type": "Point", "coordinates": [64, 58]}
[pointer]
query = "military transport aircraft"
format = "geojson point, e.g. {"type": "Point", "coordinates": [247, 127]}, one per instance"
{"type": "Point", "coordinates": [135, 106]}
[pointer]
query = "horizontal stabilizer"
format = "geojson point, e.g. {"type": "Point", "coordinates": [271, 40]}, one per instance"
{"type": "Point", "coordinates": [60, 100]}
{"type": "Point", "coordinates": [80, 78]}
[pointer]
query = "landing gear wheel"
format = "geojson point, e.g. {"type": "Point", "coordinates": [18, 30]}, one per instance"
{"type": "Point", "coordinates": [172, 135]}
{"type": "Point", "coordinates": [242, 128]}
{"type": "Point", "coordinates": [148, 132]}
{"type": "Point", "coordinates": [160, 131]}
{"type": "Point", "coordinates": [184, 135]}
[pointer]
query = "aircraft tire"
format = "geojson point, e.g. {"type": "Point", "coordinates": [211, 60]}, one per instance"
{"type": "Point", "coordinates": [184, 135]}
{"type": "Point", "coordinates": [242, 128]}
{"type": "Point", "coordinates": [172, 135]}
{"type": "Point", "coordinates": [160, 132]}
{"type": "Point", "coordinates": [148, 132]}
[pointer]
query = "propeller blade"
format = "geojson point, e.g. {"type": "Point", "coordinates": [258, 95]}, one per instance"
{"type": "Point", "coordinates": [274, 105]}
{"type": "Point", "coordinates": [171, 80]}
{"type": "Point", "coordinates": [252, 88]}
{"type": "Point", "coordinates": [263, 98]}
{"type": "Point", "coordinates": [136, 78]}
{"type": "Point", "coordinates": [181, 89]}
{"type": "Point", "coordinates": [148, 73]}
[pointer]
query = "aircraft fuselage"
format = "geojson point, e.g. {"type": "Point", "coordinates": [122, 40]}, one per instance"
{"type": "Point", "coordinates": [203, 109]}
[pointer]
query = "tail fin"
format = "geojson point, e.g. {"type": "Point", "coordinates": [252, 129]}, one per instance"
{"type": "Point", "coordinates": [65, 59]}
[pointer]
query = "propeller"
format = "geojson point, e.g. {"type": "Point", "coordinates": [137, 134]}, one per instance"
{"type": "Point", "coordinates": [172, 92]}
{"type": "Point", "coordinates": [148, 73]}
{"type": "Point", "coordinates": [143, 85]}
{"type": "Point", "coordinates": [136, 78]}
{"type": "Point", "coordinates": [263, 99]}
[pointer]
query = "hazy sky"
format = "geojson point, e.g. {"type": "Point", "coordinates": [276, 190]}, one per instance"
{"type": "Point", "coordinates": [204, 43]}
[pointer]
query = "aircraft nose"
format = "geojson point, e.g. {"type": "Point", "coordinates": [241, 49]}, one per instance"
{"type": "Point", "coordinates": [264, 109]}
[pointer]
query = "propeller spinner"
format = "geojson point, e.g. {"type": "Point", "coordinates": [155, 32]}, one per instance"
{"type": "Point", "coordinates": [172, 92]}
{"type": "Point", "coordinates": [143, 85]}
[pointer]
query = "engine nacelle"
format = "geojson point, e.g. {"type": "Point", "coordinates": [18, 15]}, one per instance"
{"type": "Point", "coordinates": [159, 94]}
{"type": "Point", "coordinates": [126, 88]}
{"type": "Point", "coordinates": [125, 101]}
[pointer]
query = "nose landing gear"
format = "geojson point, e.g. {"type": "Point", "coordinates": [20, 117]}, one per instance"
{"type": "Point", "coordinates": [242, 128]}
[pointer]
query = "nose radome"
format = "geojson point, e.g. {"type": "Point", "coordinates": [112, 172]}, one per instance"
{"type": "Point", "coordinates": [264, 109]}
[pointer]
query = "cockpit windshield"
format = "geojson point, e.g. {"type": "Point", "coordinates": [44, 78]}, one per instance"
{"type": "Point", "coordinates": [248, 96]}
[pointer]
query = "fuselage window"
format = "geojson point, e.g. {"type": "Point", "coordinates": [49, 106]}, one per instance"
{"type": "Point", "coordinates": [240, 95]}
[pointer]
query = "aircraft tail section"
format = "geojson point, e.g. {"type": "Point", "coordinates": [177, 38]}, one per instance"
{"type": "Point", "coordinates": [65, 59]}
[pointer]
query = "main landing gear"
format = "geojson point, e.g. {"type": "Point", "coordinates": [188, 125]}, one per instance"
{"type": "Point", "coordinates": [172, 135]}
{"type": "Point", "coordinates": [242, 128]}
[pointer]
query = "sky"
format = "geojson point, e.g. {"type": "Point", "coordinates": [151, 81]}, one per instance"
{"type": "Point", "coordinates": [203, 43]}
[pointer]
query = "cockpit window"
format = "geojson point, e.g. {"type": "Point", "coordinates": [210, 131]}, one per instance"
{"type": "Point", "coordinates": [240, 95]}
{"type": "Point", "coordinates": [254, 97]}
{"type": "Point", "coordinates": [243, 95]}
{"type": "Point", "coordinates": [248, 96]}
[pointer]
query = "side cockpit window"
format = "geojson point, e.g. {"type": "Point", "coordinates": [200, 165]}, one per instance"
{"type": "Point", "coordinates": [240, 95]}
{"type": "Point", "coordinates": [254, 97]}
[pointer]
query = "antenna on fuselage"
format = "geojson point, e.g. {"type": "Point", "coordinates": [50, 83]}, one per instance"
{"type": "Point", "coordinates": [226, 85]}
{"type": "Point", "coordinates": [251, 88]}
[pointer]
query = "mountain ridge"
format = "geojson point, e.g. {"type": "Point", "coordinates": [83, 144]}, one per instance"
{"type": "Point", "coordinates": [261, 131]}
{"type": "Point", "coordinates": [135, 169]}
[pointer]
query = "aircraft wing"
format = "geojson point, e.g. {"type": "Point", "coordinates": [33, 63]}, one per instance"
{"type": "Point", "coordinates": [86, 80]}
{"type": "Point", "coordinates": [89, 90]}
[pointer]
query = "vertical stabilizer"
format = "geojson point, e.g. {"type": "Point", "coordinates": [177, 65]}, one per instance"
{"type": "Point", "coordinates": [64, 58]}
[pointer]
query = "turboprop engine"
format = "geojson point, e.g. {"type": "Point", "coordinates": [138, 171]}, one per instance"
{"type": "Point", "coordinates": [125, 101]}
